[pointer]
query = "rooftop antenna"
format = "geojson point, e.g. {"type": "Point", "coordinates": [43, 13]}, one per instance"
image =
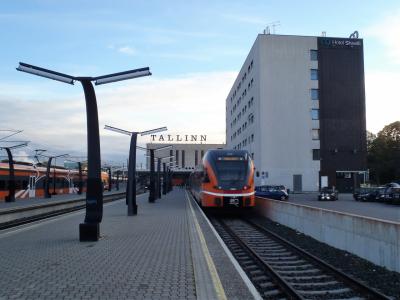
{"type": "Point", "coordinates": [354, 35]}
{"type": "Point", "coordinates": [323, 33]}
{"type": "Point", "coordinates": [274, 24]}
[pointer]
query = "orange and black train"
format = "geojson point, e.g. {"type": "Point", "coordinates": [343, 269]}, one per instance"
{"type": "Point", "coordinates": [30, 180]}
{"type": "Point", "coordinates": [224, 179]}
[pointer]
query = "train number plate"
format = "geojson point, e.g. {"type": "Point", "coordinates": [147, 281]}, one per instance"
{"type": "Point", "coordinates": [234, 201]}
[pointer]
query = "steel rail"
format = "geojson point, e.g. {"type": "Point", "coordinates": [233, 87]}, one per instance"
{"type": "Point", "coordinates": [358, 286]}
{"type": "Point", "coordinates": [283, 285]}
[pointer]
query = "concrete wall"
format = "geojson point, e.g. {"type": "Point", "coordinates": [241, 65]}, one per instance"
{"type": "Point", "coordinates": [372, 239]}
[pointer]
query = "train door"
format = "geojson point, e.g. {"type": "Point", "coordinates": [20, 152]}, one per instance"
{"type": "Point", "coordinates": [32, 186]}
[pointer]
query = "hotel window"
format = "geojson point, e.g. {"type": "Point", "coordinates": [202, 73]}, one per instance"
{"type": "Point", "coordinates": [183, 158]}
{"type": "Point", "coordinates": [315, 114]}
{"type": "Point", "coordinates": [171, 153]}
{"type": "Point", "coordinates": [316, 154]}
{"type": "Point", "coordinates": [314, 94]}
{"type": "Point", "coordinates": [315, 134]}
{"type": "Point", "coordinates": [202, 154]}
{"type": "Point", "coordinates": [314, 54]}
{"type": "Point", "coordinates": [252, 138]}
{"type": "Point", "coordinates": [177, 158]}
{"type": "Point", "coordinates": [196, 156]}
{"type": "Point", "coordinates": [314, 74]}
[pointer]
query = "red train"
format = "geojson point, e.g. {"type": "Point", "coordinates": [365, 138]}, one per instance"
{"type": "Point", "coordinates": [30, 180]}
{"type": "Point", "coordinates": [225, 178]}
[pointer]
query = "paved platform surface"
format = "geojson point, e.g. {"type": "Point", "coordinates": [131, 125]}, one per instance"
{"type": "Point", "coordinates": [346, 203]}
{"type": "Point", "coordinates": [148, 256]}
{"type": "Point", "coordinates": [62, 197]}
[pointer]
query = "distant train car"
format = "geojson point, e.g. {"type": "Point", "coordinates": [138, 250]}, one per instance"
{"type": "Point", "coordinates": [225, 178]}
{"type": "Point", "coordinates": [30, 180]}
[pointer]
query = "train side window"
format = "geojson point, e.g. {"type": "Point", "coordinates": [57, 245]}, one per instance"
{"type": "Point", "coordinates": [258, 174]}
{"type": "Point", "coordinates": [2, 185]}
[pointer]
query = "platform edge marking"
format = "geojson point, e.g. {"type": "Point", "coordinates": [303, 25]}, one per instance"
{"type": "Point", "coordinates": [235, 263]}
{"type": "Point", "coordinates": [219, 289]}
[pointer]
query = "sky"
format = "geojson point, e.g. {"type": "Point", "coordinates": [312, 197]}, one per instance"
{"type": "Point", "coordinates": [194, 50]}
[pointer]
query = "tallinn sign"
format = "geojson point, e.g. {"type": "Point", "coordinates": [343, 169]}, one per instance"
{"type": "Point", "coordinates": [178, 138]}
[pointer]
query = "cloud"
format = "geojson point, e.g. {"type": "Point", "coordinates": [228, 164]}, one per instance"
{"type": "Point", "coordinates": [382, 99]}
{"type": "Point", "coordinates": [127, 50]}
{"type": "Point", "coordinates": [387, 32]}
{"type": "Point", "coordinates": [188, 104]}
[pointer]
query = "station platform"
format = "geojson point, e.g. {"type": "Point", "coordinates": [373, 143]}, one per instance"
{"type": "Point", "coordinates": [19, 203]}
{"type": "Point", "coordinates": [346, 204]}
{"type": "Point", "coordinates": [167, 251]}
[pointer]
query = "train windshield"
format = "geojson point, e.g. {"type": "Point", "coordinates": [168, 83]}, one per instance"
{"type": "Point", "coordinates": [228, 171]}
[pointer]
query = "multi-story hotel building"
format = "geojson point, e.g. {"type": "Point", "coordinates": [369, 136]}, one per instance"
{"type": "Point", "coordinates": [298, 106]}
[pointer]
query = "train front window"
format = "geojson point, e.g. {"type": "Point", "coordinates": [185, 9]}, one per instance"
{"type": "Point", "coordinates": [231, 170]}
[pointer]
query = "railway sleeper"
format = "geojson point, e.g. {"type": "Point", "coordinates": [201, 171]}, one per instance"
{"type": "Point", "coordinates": [300, 272]}
{"type": "Point", "coordinates": [274, 255]}
{"type": "Point", "coordinates": [325, 293]}
{"type": "Point", "coordinates": [292, 267]}
{"type": "Point", "coordinates": [288, 263]}
{"type": "Point", "coordinates": [314, 284]}
{"type": "Point", "coordinates": [272, 293]}
{"type": "Point", "coordinates": [314, 278]}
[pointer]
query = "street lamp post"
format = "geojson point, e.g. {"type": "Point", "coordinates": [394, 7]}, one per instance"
{"type": "Point", "coordinates": [80, 182]}
{"type": "Point", "coordinates": [152, 183]}
{"type": "Point", "coordinates": [47, 180]}
{"type": "Point", "coordinates": [158, 177]}
{"type": "Point", "coordinates": [131, 187]}
{"type": "Point", "coordinates": [117, 181]}
{"type": "Point", "coordinates": [155, 187]}
{"type": "Point", "coordinates": [11, 180]}
{"type": "Point", "coordinates": [110, 179]}
{"type": "Point", "coordinates": [90, 229]}
{"type": "Point", "coordinates": [164, 191]}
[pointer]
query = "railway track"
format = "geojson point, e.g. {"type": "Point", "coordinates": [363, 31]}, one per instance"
{"type": "Point", "coordinates": [281, 270]}
{"type": "Point", "coordinates": [40, 212]}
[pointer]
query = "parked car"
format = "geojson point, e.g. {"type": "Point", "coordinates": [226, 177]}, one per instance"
{"type": "Point", "coordinates": [272, 192]}
{"type": "Point", "coordinates": [327, 193]}
{"type": "Point", "coordinates": [367, 194]}
{"type": "Point", "coordinates": [392, 195]}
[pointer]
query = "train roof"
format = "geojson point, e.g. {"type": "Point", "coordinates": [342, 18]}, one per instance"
{"type": "Point", "coordinates": [31, 167]}
{"type": "Point", "coordinates": [227, 152]}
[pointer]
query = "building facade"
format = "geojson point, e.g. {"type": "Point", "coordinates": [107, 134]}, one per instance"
{"type": "Point", "coordinates": [298, 106]}
{"type": "Point", "coordinates": [182, 156]}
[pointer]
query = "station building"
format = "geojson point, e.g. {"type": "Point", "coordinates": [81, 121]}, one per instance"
{"type": "Point", "coordinates": [298, 106]}
{"type": "Point", "coordinates": [185, 156]}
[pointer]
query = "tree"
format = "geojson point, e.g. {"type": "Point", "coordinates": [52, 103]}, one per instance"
{"type": "Point", "coordinates": [384, 154]}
